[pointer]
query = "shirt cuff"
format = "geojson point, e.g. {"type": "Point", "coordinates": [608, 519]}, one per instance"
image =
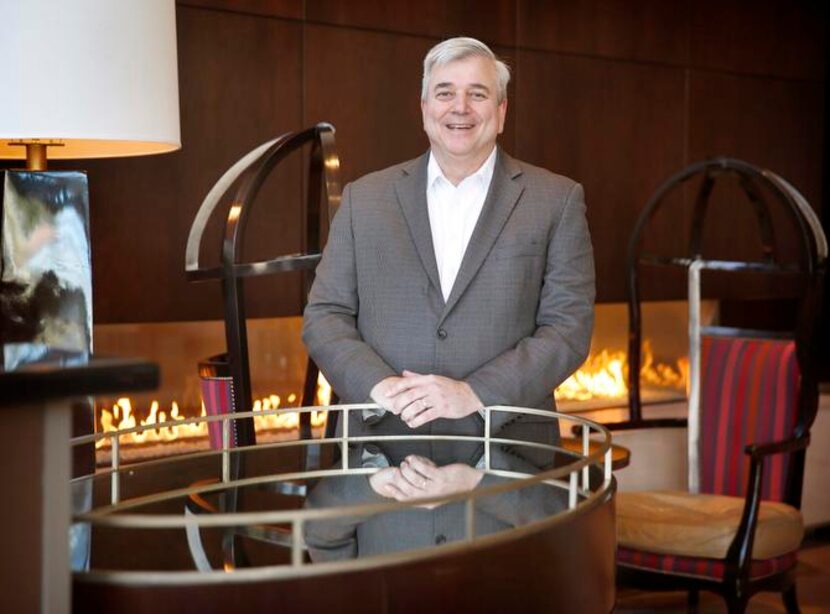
{"type": "Point", "coordinates": [373, 415]}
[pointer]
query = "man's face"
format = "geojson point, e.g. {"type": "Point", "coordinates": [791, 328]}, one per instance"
{"type": "Point", "coordinates": [462, 115]}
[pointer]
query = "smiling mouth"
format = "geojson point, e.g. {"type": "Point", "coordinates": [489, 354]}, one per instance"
{"type": "Point", "coordinates": [460, 126]}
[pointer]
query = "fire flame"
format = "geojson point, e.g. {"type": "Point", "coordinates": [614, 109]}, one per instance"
{"type": "Point", "coordinates": [604, 376]}
{"type": "Point", "coordinates": [122, 417]}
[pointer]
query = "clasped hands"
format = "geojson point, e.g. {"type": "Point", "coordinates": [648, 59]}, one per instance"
{"type": "Point", "coordinates": [419, 478]}
{"type": "Point", "coordinates": [419, 399]}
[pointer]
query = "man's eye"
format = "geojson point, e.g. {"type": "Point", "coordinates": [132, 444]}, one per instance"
{"type": "Point", "coordinates": [443, 95]}
{"type": "Point", "coordinates": [478, 96]}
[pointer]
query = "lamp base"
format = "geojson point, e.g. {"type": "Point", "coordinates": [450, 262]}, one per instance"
{"type": "Point", "coordinates": [45, 260]}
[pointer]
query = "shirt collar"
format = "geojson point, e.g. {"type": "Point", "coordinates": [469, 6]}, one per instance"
{"type": "Point", "coordinates": [483, 175]}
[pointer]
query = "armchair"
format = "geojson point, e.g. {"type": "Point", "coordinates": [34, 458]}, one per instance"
{"type": "Point", "coordinates": [752, 399]}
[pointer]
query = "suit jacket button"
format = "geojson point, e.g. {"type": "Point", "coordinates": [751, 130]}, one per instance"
{"type": "Point", "coordinates": [442, 334]}
{"type": "Point", "coordinates": [441, 539]}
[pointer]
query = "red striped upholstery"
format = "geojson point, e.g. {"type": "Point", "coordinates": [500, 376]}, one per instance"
{"type": "Point", "coordinates": [217, 395]}
{"type": "Point", "coordinates": [749, 391]}
{"type": "Point", "coordinates": [709, 569]}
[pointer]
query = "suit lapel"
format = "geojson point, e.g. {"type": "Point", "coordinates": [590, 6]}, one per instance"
{"type": "Point", "coordinates": [502, 197]}
{"type": "Point", "coordinates": [412, 196]}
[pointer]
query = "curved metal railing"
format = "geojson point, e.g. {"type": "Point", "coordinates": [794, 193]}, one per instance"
{"type": "Point", "coordinates": [120, 513]}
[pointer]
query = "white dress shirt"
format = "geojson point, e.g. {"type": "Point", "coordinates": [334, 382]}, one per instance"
{"type": "Point", "coordinates": [453, 213]}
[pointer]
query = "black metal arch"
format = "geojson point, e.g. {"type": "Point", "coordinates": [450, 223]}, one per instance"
{"type": "Point", "coordinates": [323, 199]}
{"type": "Point", "coordinates": [811, 265]}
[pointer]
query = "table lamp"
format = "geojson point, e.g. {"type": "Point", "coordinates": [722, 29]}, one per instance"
{"type": "Point", "coordinates": [81, 79]}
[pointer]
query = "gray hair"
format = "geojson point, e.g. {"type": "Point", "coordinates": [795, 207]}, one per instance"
{"type": "Point", "coordinates": [460, 48]}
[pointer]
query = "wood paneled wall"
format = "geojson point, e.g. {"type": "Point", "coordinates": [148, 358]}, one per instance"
{"type": "Point", "coordinates": [617, 94]}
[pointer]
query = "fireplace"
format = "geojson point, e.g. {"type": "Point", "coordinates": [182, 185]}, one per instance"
{"type": "Point", "coordinates": [278, 362]}
{"type": "Point", "coordinates": [601, 382]}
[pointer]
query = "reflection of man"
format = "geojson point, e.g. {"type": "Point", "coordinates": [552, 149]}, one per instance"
{"type": "Point", "coordinates": [458, 280]}
{"type": "Point", "coordinates": [348, 536]}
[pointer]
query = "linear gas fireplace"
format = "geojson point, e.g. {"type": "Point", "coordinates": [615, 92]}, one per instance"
{"type": "Point", "coordinates": [278, 361]}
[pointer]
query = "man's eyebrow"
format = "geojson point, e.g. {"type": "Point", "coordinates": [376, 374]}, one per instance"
{"type": "Point", "coordinates": [472, 86]}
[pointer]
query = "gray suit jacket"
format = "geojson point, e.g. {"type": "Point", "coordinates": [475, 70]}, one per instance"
{"type": "Point", "coordinates": [518, 320]}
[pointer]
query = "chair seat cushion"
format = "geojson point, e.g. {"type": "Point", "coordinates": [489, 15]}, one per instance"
{"type": "Point", "coordinates": [697, 567]}
{"type": "Point", "coordinates": [703, 526]}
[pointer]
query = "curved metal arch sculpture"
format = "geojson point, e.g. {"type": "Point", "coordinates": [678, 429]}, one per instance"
{"type": "Point", "coordinates": [252, 170]}
{"type": "Point", "coordinates": [813, 244]}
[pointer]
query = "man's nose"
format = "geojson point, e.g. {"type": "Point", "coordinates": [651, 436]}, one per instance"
{"type": "Point", "coordinates": [461, 104]}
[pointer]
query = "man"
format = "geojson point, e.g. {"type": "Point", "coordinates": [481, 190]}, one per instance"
{"type": "Point", "coordinates": [458, 280]}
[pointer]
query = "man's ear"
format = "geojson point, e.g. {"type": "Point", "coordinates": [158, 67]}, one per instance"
{"type": "Point", "coordinates": [502, 114]}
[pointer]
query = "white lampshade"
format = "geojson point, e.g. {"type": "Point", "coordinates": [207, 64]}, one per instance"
{"type": "Point", "coordinates": [98, 76]}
